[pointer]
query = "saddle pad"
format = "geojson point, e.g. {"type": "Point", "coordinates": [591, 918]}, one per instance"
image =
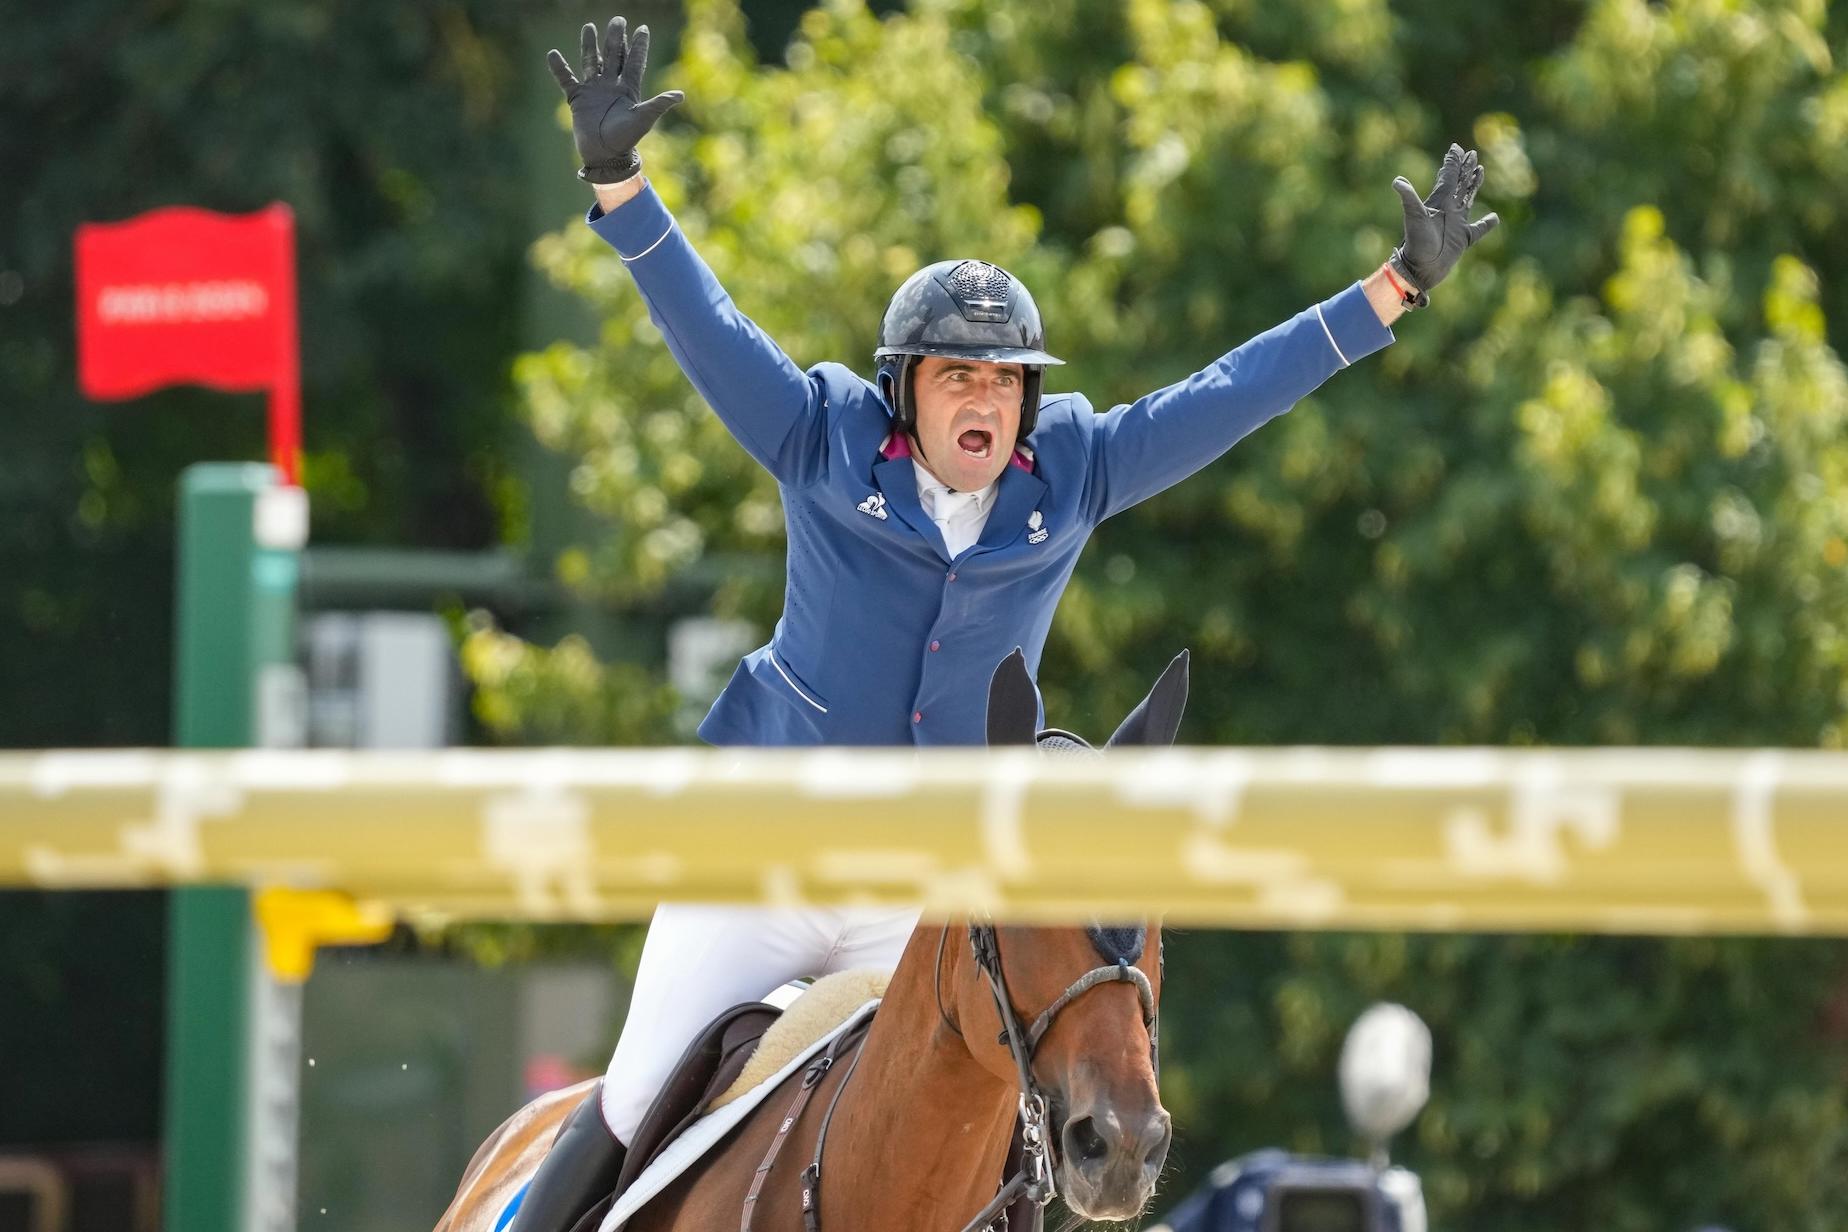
{"type": "Point", "coordinates": [820, 1008]}
{"type": "Point", "coordinates": [687, 1149]}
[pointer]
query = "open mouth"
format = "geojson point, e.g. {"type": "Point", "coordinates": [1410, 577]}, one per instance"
{"type": "Point", "coordinates": [978, 443]}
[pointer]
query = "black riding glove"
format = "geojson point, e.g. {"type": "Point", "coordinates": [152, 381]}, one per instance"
{"type": "Point", "coordinates": [607, 114]}
{"type": "Point", "coordinates": [1438, 229]}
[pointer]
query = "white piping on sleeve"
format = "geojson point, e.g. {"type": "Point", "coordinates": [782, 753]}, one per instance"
{"type": "Point", "coordinates": [1325, 329]}
{"type": "Point", "coordinates": [670, 229]}
{"type": "Point", "coordinates": [792, 684]}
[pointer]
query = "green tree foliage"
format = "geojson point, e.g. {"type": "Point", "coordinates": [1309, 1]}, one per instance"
{"type": "Point", "coordinates": [390, 131]}
{"type": "Point", "coordinates": [1595, 494]}
{"type": "Point", "coordinates": [1630, 1084]}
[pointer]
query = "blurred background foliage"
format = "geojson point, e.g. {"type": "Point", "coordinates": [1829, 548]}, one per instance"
{"type": "Point", "coordinates": [1598, 493]}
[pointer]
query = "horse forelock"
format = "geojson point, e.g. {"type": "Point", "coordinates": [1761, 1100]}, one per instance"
{"type": "Point", "coordinates": [1118, 944]}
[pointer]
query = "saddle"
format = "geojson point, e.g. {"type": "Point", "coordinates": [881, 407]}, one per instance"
{"type": "Point", "coordinates": [709, 1066]}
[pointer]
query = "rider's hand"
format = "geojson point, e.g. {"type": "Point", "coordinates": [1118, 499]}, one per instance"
{"type": "Point", "coordinates": [607, 114]}
{"type": "Point", "coordinates": [1438, 229]}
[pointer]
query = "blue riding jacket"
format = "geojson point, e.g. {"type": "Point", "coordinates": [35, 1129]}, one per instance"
{"type": "Point", "coordinates": [885, 638]}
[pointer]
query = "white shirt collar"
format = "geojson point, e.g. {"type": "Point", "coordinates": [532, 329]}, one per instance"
{"type": "Point", "coordinates": [960, 516]}
{"type": "Point", "coordinates": [940, 501]}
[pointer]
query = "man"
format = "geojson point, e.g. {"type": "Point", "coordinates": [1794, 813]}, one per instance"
{"type": "Point", "coordinates": [934, 516]}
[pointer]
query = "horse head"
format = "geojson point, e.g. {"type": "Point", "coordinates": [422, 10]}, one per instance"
{"type": "Point", "coordinates": [1079, 1003]}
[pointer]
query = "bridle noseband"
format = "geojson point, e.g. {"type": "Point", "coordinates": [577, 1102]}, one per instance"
{"type": "Point", "coordinates": [1035, 1180]}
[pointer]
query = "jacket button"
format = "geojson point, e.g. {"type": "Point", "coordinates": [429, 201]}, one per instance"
{"type": "Point", "coordinates": [936, 646]}
{"type": "Point", "coordinates": [917, 716]}
{"type": "Point", "coordinates": [952, 577]}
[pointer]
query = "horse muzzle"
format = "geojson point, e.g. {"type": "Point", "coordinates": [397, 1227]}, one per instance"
{"type": "Point", "coordinates": [1109, 1161]}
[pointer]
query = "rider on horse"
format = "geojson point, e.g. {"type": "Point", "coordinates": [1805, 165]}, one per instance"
{"type": "Point", "coordinates": [934, 516]}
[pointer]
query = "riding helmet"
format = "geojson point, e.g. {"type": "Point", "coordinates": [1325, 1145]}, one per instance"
{"type": "Point", "coordinates": [966, 310]}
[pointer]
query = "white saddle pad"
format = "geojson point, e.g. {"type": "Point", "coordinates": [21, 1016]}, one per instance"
{"type": "Point", "coordinates": [683, 1151]}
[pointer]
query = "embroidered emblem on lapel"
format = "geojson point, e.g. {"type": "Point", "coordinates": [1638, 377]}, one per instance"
{"type": "Point", "coordinates": [1037, 533]}
{"type": "Point", "coordinates": [874, 505]}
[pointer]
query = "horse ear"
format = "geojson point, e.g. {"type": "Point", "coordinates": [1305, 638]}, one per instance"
{"type": "Point", "coordinates": [1013, 703]}
{"type": "Point", "coordinates": [1157, 718]}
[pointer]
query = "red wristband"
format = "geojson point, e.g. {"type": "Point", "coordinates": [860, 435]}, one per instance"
{"type": "Point", "coordinates": [1405, 292]}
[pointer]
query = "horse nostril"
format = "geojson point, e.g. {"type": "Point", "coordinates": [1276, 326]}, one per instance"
{"type": "Point", "coordinates": [1084, 1145]}
{"type": "Point", "coordinates": [1158, 1149]}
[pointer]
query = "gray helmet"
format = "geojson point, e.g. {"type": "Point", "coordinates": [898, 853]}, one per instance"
{"type": "Point", "coordinates": [966, 310]}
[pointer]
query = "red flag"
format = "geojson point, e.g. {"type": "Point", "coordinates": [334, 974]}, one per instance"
{"type": "Point", "coordinates": [184, 295]}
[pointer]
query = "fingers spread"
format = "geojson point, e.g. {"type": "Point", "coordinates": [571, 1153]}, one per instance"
{"type": "Point", "coordinates": [1408, 196]}
{"type": "Point", "coordinates": [661, 104]}
{"type": "Point", "coordinates": [637, 63]}
{"type": "Point", "coordinates": [590, 62]}
{"type": "Point", "coordinates": [560, 70]}
{"type": "Point", "coordinates": [616, 45]}
{"type": "Point", "coordinates": [1472, 186]}
{"type": "Point", "coordinates": [1448, 173]}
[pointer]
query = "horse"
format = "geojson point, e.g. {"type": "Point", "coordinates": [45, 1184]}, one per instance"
{"type": "Point", "coordinates": [1039, 1039]}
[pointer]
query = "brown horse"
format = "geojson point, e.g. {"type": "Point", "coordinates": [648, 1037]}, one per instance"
{"type": "Point", "coordinates": [981, 1027]}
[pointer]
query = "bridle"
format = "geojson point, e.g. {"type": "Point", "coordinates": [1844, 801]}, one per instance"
{"type": "Point", "coordinates": [1036, 1178]}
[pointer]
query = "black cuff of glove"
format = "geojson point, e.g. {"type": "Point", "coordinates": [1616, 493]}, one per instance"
{"type": "Point", "coordinates": [612, 173]}
{"type": "Point", "coordinates": [1420, 300]}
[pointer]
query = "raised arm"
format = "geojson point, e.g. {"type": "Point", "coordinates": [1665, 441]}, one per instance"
{"type": "Point", "coordinates": [1160, 439]}
{"type": "Point", "coordinates": [767, 402]}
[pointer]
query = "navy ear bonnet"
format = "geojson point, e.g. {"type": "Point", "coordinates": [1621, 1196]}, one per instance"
{"type": "Point", "coordinates": [1118, 945]}
{"type": "Point", "coordinates": [1014, 710]}
{"type": "Point", "coordinates": [1064, 744]}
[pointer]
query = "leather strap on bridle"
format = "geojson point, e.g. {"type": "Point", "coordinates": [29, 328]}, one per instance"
{"type": "Point", "coordinates": [1122, 973]}
{"type": "Point", "coordinates": [1010, 1192]}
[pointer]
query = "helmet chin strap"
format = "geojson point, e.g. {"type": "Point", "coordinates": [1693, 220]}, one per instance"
{"type": "Point", "coordinates": [917, 443]}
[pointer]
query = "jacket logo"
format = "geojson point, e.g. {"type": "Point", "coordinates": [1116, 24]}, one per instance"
{"type": "Point", "coordinates": [874, 505]}
{"type": "Point", "coordinates": [1036, 532]}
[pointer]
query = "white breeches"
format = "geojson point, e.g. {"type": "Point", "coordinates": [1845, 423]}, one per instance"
{"type": "Point", "coordinates": [699, 960]}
